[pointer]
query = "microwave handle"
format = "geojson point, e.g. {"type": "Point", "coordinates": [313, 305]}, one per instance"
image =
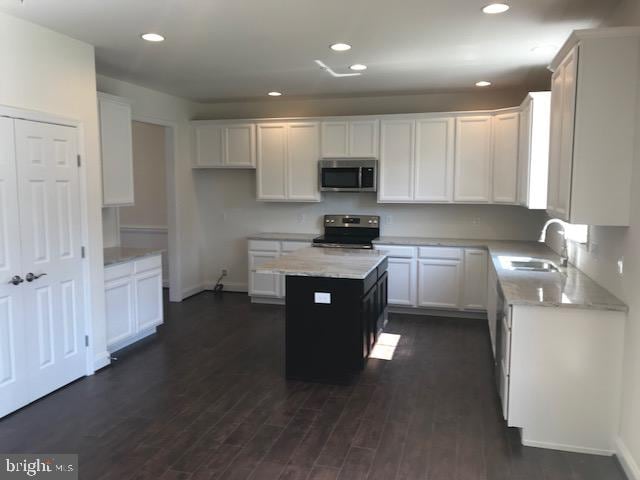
{"type": "Point", "coordinates": [360, 177]}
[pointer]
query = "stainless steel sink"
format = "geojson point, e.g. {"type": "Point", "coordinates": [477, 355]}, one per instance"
{"type": "Point", "coordinates": [534, 266]}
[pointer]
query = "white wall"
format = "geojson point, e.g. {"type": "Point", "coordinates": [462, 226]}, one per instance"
{"type": "Point", "coordinates": [233, 213]}
{"type": "Point", "coordinates": [599, 260]}
{"type": "Point", "coordinates": [48, 72]}
{"type": "Point", "coordinates": [149, 175]}
{"type": "Point", "coordinates": [149, 104]}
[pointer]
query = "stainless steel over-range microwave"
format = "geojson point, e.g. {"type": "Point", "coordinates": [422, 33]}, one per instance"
{"type": "Point", "coordinates": [348, 174]}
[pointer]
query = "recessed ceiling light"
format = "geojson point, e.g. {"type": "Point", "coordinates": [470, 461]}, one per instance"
{"type": "Point", "coordinates": [483, 83]}
{"type": "Point", "coordinates": [274, 94]}
{"type": "Point", "coordinates": [152, 37]}
{"type": "Point", "coordinates": [340, 47]}
{"type": "Point", "coordinates": [493, 8]}
{"type": "Point", "coordinates": [545, 49]}
{"type": "Point", "coordinates": [358, 67]}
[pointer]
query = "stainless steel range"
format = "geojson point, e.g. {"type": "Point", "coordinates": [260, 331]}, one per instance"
{"type": "Point", "coordinates": [349, 231]}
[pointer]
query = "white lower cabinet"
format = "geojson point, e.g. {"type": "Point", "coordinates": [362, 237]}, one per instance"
{"type": "Point", "coordinates": [437, 277]}
{"type": "Point", "coordinates": [439, 283]}
{"type": "Point", "coordinates": [133, 297]}
{"type": "Point", "coordinates": [474, 296]}
{"type": "Point", "coordinates": [264, 285]}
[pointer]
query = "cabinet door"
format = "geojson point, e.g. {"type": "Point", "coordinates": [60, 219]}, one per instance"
{"type": "Point", "coordinates": [402, 281]}
{"type": "Point", "coordinates": [505, 157]}
{"type": "Point", "coordinates": [148, 290]}
{"type": "Point", "coordinates": [434, 160]}
{"type": "Point", "coordinates": [239, 145]}
{"type": "Point", "coordinates": [475, 280]}
{"type": "Point", "coordinates": [335, 139]}
{"type": "Point", "coordinates": [396, 161]}
{"type": "Point", "coordinates": [524, 152]}
{"type": "Point", "coordinates": [473, 159]}
{"type": "Point", "coordinates": [263, 284]}
{"type": "Point", "coordinates": [363, 138]}
{"type": "Point", "coordinates": [566, 137]}
{"type": "Point", "coordinates": [439, 283]}
{"type": "Point", "coordinates": [555, 140]}
{"type": "Point", "coordinates": [117, 151]}
{"type": "Point", "coordinates": [302, 162]}
{"type": "Point", "coordinates": [120, 310]}
{"type": "Point", "coordinates": [272, 162]}
{"type": "Point", "coordinates": [208, 145]}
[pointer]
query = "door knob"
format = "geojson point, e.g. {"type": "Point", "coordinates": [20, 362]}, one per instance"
{"type": "Point", "coordinates": [31, 277]}
{"type": "Point", "coordinates": [16, 280]}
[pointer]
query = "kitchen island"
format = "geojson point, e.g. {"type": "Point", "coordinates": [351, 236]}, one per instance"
{"type": "Point", "coordinates": [336, 301]}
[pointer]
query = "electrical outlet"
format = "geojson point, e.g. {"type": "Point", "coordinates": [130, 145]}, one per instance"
{"type": "Point", "coordinates": [301, 218]}
{"type": "Point", "coordinates": [621, 266]}
{"type": "Point", "coordinates": [388, 219]}
{"type": "Point", "coordinates": [224, 272]}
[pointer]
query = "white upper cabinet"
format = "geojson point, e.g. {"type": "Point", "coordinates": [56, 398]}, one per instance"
{"type": "Point", "coordinates": [116, 148]}
{"type": "Point", "coordinates": [287, 168]}
{"type": "Point", "coordinates": [224, 145]}
{"type": "Point", "coordinates": [473, 159]}
{"type": "Point", "coordinates": [533, 145]}
{"type": "Point", "coordinates": [505, 157]}
{"type": "Point", "coordinates": [434, 160]}
{"type": "Point", "coordinates": [594, 126]}
{"type": "Point", "coordinates": [272, 162]}
{"type": "Point", "coordinates": [303, 152]}
{"type": "Point", "coordinates": [396, 161]}
{"type": "Point", "coordinates": [350, 138]}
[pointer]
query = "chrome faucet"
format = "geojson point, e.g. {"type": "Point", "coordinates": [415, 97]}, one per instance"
{"type": "Point", "coordinates": [564, 255]}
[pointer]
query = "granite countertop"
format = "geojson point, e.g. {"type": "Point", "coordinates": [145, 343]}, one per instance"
{"type": "Point", "coordinates": [570, 287]}
{"type": "Point", "coordinates": [113, 255]}
{"type": "Point", "coordinates": [325, 262]}
{"type": "Point", "coordinates": [292, 237]}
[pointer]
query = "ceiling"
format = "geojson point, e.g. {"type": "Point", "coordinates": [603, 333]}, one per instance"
{"type": "Point", "coordinates": [232, 49]}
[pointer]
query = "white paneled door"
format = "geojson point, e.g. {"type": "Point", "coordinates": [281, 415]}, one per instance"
{"type": "Point", "coordinates": [51, 349]}
{"type": "Point", "coordinates": [13, 368]}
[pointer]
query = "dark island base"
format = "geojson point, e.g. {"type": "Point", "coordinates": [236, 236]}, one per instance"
{"type": "Point", "coordinates": [330, 342]}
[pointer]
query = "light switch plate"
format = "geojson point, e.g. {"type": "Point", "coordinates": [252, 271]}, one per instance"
{"type": "Point", "coordinates": [621, 266]}
{"type": "Point", "coordinates": [322, 297]}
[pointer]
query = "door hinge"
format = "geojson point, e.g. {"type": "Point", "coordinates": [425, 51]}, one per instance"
{"type": "Point", "coordinates": [79, 161]}
{"type": "Point", "coordinates": [82, 252]}
{"type": "Point", "coordinates": [86, 340]}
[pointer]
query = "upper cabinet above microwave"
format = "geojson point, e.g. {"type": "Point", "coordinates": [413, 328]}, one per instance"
{"type": "Point", "coordinates": [349, 138]}
{"type": "Point", "coordinates": [594, 124]}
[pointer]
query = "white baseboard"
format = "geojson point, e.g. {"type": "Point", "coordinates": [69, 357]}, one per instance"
{"type": "Point", "coordinates": [268, 300]}
{"type": "Point", "coordinates": [434, 312]}
{"type": "Point", "coordinates": [567, 448]}
{"type": "Point", "coordinates": [101, 360]}
{"type": "Point", "coordinates": [229, 286]}
{"type": "Point", "coordinates": [627, 461]}
{"type": "Point", "coordinates": [187, 292]}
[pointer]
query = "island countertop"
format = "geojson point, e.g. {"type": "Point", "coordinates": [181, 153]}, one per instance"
{"type": "Point", "coordinates": [325, 262]}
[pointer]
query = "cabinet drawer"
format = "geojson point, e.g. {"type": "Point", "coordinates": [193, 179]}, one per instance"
{"type": "Point", "coordinates": [120, 270]}
{"type": "Point", "coordinates": [292, 246]}
{"type": "Point", "coordinates": [148, 263]}
{"type": "Point", "coordinates": [440, 252]}
{"type": "Point", "coordinates": [394, 251]}
{"type": "Point", "coordinates": [264, 245]}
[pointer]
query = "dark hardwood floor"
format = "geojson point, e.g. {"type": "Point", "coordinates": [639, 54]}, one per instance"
{"type": "Point", "coordinates": [206, 399]}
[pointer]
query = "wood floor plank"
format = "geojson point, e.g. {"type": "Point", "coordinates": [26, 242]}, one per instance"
{"type": "Point", "coordinates": [206, 398]}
